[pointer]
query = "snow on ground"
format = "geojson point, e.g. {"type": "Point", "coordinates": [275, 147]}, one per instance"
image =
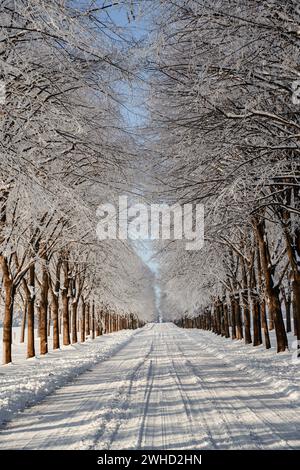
{"type": "Point", "coordinates": [279, 371]}
{"type": "Point", "coordinates": [168, 388]}
{"type": "Point", "coordinates": [27, 381]}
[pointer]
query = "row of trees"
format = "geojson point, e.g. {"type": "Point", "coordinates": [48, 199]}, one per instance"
{"type": "Point", "coordinates": [63, 151]}
{"type": "Point", "coordinates": [246, 304]}
{"type": "Point", "coordinates": [224, 99]}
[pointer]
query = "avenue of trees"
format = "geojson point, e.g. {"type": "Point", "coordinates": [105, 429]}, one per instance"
{"type": "Point", "coordinates": [220, 126]}
{"type": "Point", "coordinates": [62, 153]}
{"type": "Point", "coordinates": [225, 106]}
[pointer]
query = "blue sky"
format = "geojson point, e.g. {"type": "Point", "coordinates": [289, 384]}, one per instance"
{"type": "Point", "coordinates": [134, 112]}
{"type": "Point", "coordinates": [135, 115]}
{"type": "Point", "coordinates": [136, 26]}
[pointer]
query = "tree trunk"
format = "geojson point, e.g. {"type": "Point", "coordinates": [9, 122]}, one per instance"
{"type": "Point", "coordinates": [262, 303]}
{"type": "Point", "coordinates": [93, 320]}
{"type": "Point", "coordinates": [296, 304]}
{"type": "Point", "coordinates": [218, 317]}
{"type": "Point", "coordinates": [9, 291]}
{"type": "Point", "coordinates": [292, 239]}
{"type": "Point", "coordinates": [245, 301]}
{"type": "Point", "coordinates": [287, 303]}
{"type": "Point", "coordinates": [226, 322]}
{"type": "Point", "coordinates": [44, 304]}
{"type": "Point", "coordinates": [30, 298]}
{"type": "Point", "coordinates": [238, 317]}
{"type": "Point", "coordinates": [55, 306]}
{"type": "Point", "coordinates": [82, 330]}
{"type": "Point", "coordinates": [65, 305]}
{"type": "Point", "coordinates": [74, 321]}
{"type": "Point", "coordinates": [87, 320]}
{"type": "Point", "coordinates": [98, 325]}
{"type": "Point", "coordinates": [272, 291]}
{"type": "Point", "coordinates": [264, 322]}
{"type": "Point", "coordinates": [49, 320]}
{"type": "Point", "coordinates": [55, 320]}
{"type": "Point", "coordinates": [233, 323]}
{"type": "Point", "coordinates": [257, 338]}
{"type": "Point", "coordinates": [23, 325]}
{"type": "Point", "coordinates": [247, 321]}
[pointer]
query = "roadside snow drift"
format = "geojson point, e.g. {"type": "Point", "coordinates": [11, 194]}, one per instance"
{"type": "Point", "coordinates": [26, 382]}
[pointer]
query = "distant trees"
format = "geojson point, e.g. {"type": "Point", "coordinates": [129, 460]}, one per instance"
{"type": "Point", "coordinates": [223, 100]}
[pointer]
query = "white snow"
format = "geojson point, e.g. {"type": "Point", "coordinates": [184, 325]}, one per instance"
{"type": "Point", "coordinates": [279, 371]}
{"type": "Point", "coordinates": [25, 382]}
{"type": "Point", "coordinates": [165, 388]}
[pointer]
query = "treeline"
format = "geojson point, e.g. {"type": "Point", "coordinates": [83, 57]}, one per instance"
{"type": "Point", "coordinates": [63, 153]}
{"type": "Point", "coordinates": [54, 287]}
{"type": "Point", "coordinates": [89, 322]}
{"type": "Point", "coordinates": [259, 290]}
{"type": "Point", "coordinates": [226, 103]}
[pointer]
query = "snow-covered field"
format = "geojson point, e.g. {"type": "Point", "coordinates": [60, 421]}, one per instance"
{"type": "Point", "coordinates": [160, 387]}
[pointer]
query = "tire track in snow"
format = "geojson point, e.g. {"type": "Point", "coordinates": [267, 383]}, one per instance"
{"type": "Point", "coordinates": [258, 417]}
{"type": "Point", "coordinates": [117, 415]}
{"type": "Point", "coordinates": [160, 390]}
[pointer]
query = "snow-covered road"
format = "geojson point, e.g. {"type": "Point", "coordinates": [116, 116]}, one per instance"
{"type": "Point", "coordinates": [160, 390]}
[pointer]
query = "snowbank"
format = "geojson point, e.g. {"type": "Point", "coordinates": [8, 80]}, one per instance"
{"type": "Point", "coordinates": [25, 382]}
{"type": "Point", "coordinates": [279, 371]}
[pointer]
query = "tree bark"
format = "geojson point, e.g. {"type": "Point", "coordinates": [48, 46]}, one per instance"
{"type": "Point", "coordinates": [74, 320]}
{"type": "Point", "coordinates": [23, 325]}
{"type": "Point", "coordinates": [87, 319]}
{"type": "Point", "coordinates": [226, 322]}
{"type": "Point", "coordinates": [30, 298]}
{"type": "Point", "coordinates": [43, 327]}
{"type": "Point", "coordinates": [272, 291]}
{"type": "Point", "coordinates": [82, 329]}
{"type": "Point", "coordinates": [257, 338]}
{"type": "Point", "coordinates": [233, 323]}
{"type": "Point", "coordinates": [55, 320]}
{"type": "Point", "coordinates": [93, 320]}
{"type": "Point", "coordinates": [245, 301]}
{"type": "Point", "coordinates": [296, 304]}
{"type": "Point", "coordinates": [238, 317]}
{"type": "Point", "coordinates": [287, 303]}
{"type": "Point", "coordinates": [9, 291]}
{"type": "Point", "coordinates": [65, 304]}
{"type": "Point", "coordinates": [262, 304]}
{"type": "Point", "coordinates": [49, 320]}
{"type": "Point", "coordinates": [55, 306]}
{"type": "Point", "coordinates": [98, 325]}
